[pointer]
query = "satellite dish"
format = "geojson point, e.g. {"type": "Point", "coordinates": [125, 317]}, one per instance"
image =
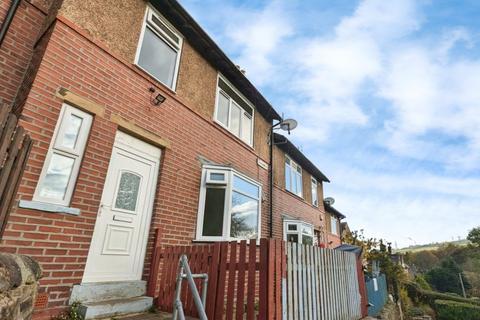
{"type": "Point", "coordinates": [329, 200]}
{"type": "Point", "coordinates": [288, 124]}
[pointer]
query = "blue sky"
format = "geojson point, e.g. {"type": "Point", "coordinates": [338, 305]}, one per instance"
{"type": "Point", "coordinates": [387, 96]}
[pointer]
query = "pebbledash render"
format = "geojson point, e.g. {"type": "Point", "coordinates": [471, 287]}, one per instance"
{"type": "Point", "coordinates": [140, 123]}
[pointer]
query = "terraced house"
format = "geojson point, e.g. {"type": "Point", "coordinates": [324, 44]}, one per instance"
{"type": "Point", "coordinates": [140, 122]}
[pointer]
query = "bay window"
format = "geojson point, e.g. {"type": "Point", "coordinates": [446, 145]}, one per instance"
{"type": "Point", "coordinates": [298, 231]}
{"type": "Point", "coordinates": [229, 205]}
{"type": "Point", "coordinates": [293, 177]}
{"type": "Point", "coordinates": [62, 163]}
{"type": "Point", "coordinates": [234, 112]}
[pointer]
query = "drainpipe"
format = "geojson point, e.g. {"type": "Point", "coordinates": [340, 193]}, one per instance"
{"type": "Point", "coordinates": [270, 177]}
{"type": "Point", "coordinates": [8, 19]}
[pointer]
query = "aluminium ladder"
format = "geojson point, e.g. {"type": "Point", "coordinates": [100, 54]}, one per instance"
{"type": "Point", "coordinates": [184, 272]}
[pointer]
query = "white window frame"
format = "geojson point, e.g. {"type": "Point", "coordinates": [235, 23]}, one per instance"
{"type": "Point", "coordinates": [228, 202]}
{"type": "Point", "coordinates": [299, 232]}
{"type": "Point", "coordinates": [334, 231]}
{"type": "Point", "coordinates": [56, 148]}
{"type": "Point", "coordinates": [314, 192]}
{"type": "Point", "coordinates": [230, 99]}
{"type": "Point", "coordinates": [164, 37]}
{"type": "Point", "coordinates": [297, 170]}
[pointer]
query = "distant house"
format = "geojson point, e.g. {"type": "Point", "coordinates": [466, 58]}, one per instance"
{"type": "Point", "coordinates": [298, 195]}
{"type": "Point", "coordinates": [333, 218]}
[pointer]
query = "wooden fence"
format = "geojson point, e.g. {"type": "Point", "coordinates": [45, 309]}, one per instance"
{"type": "Point", "coordinates": [14, 149]}
{"type": "Point", "coordinates": [244, 278]}
{"type": "Point", "coordinates": [321, 284]}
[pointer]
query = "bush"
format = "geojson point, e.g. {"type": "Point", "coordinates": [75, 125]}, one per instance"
{"type": "Point", "coordinates": [451, 310]}
{"type": "Point", "coordinates": [420, 280]}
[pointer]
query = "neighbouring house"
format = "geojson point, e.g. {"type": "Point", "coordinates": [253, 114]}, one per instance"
{"type": "Point", "coordinates": [297, 195]}
{"type": "Point", "coordinates": [333, 218]}
{"type": "Point", "coordinates": [140, 122]}
{"type": "Point", "coordinates": [345, 231]}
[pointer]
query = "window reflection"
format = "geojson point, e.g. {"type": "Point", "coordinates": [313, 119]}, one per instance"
{"type": "Point", "coordinates": [55, 182]}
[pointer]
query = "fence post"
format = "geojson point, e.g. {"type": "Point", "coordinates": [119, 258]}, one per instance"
{"type": "Point", "coordinates": [362, 287]}
{"type": "Point", "coordinates": [154, 266]}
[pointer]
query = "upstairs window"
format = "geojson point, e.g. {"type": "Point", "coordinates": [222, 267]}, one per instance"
{"type": "Point", "coordinates": [334, 225]}
{"type": "Point", "coordinates": [314, 192]}
{"type": "Point", "coordinates": [229, 206]}
{"type": "Point", "coordinates": [159, 49]}
{"type": "Point", "coordinates": [62, 163]}
{"type": "Point", "coordinates": [234, 112]}
{"type": "Point", "coordinates": [298, 231]}
{"type": "Point", "coordinates": [293, 177]}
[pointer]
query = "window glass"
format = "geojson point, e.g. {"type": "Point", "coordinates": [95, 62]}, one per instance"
{"type": "Point", "coordinates": [244, 217]}
{"type": "Point", "coordinates": [55, 182]}
{"type": "Point", "coordinates": [298, 190]}
{"type": "Point", "coordinates": [307, 240]}
{"type": "Point", "coordinates": [72, 128]}
{"type": "Point", "coordinates": [288, 179]}
{"type": "Point", "coordinates": [246, 187]}
{"type": "Point", "coordinates": [127, 191]}
{"type": "Point", "coordinates": [157, 57]}
{"type": "Point", "coordinates": [235, 119]}
{"type": "Point", "coordinates": [247, 128]}
{"type": "Point", "coordinates": [314, 192]}
{"type": "Point", "coordinates": [217, 176]}
{"type": "Point", "coordinates": [292, 227]}
{"type": "Point", "coordinates": [213, 213]}
{"type": "Point", "coordinates": [292, 238]}
{"type": "Point", "coordinates": [333, 224]}
{"type": "Point", "coordinates": [223, 107]}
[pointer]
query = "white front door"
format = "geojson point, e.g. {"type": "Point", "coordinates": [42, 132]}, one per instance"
{"type": "Point", "coordinates": [121, 231]}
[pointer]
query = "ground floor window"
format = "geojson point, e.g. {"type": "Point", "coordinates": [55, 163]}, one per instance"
{"type": "Point", "coordinates": [229, 205]}
{"type": "Point", "coordinates": [298, 231]}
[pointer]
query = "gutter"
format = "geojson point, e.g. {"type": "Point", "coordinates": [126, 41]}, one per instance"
{"type": "Point", "coordinates": [8, 19]}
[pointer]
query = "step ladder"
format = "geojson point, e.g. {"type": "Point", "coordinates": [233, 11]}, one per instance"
{"type": "Point", "coordinates": [184, 272]}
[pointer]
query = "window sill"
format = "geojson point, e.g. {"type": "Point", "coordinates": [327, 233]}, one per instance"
{"type": "Point", "coordinates": [49, 207]}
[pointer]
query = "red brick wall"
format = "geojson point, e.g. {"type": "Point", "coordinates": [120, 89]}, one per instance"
{"type": "Point", "coordinates": [17, 47]}
{"type": "Point", "coordinates": [286, 203]}
{"type": "Point", "coordinates": [60, 242]}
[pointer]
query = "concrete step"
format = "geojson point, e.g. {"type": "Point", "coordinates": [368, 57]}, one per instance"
{"type": "Point", "coordinates": [100, 291]}
{"type": "Point", "coordinates": [116, 307]}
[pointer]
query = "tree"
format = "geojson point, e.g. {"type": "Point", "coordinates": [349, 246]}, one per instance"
{"type": "Point", "coordinates": [444, 278]}
{"type": "Point", "coordinates": [474, 236]}
{"type": "Point", "coordinates": [424, 260]}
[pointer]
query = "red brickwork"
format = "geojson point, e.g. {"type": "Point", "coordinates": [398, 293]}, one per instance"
{"type": "Point", "coordinates": [17, 47]}
{"type": "Point", "coordinates": [60, 242]}
{"type": "Point", "coordinates": [288, 204]}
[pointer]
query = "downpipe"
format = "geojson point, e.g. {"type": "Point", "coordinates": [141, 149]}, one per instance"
{"type": "Point", "coordinates": [8, 19]}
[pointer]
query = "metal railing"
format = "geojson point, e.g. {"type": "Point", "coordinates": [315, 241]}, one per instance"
{"type": "Point", "coordinates": [184, 272]}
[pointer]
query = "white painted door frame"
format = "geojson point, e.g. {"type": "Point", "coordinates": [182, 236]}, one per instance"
{"type": "Point", "coordinates": [119, 241]}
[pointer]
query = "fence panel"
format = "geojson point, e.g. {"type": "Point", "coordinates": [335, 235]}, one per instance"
{"type": "Point", "coordinates": [377, 294]}
{"type": "Point", "coordinates": [245, 279]}
{"type": "Point", "coordinates": [321, 284]}
{"type": "Point", "coordinates": [15, 147]}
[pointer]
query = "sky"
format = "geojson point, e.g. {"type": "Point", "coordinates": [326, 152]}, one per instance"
{"type": "Point", "coordinates": [387, 97]}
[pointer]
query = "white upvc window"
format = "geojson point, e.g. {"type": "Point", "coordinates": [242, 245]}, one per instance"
{"type": "Point", "coordinates": [293, 177]}
{"type": "Point", "coordinates": [333, 225]}
{"type": "Point", "coordinates": [62, 163]}
{"type": "Point", "coordinates": [229, 205]}
{"type": "Point", "coordinates": [298, 231]}
{"type": "Point", "coordinates": [233, 111]}
{"type": "Point", "coordinates": [159, 49]}
{"type": "Point", "coordinates": [314, 192]}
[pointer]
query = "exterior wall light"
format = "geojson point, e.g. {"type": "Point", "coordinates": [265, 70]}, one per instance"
{"type": "Point", "coordinates": [158, 99]}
